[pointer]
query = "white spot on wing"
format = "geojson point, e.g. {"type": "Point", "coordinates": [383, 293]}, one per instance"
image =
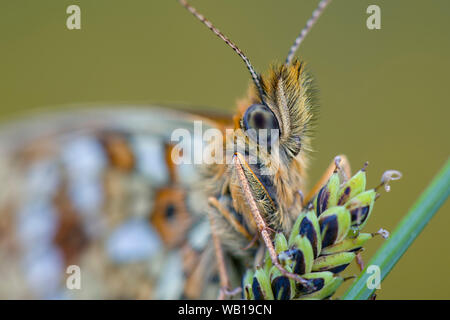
{"type": "Point", "coordinates": [171, 283]}
{"type": "Point", "coordinates": [199, 236]}
{"type": "Point", "coordinates": [83, 157]}
{"type": "Point", "coordinates": [36, 223]}
{"type": "Point", "coordinates": [87, 195]}
{"type": "Point", "coordinates": [43, 269]}
{"type": "Point", "coordinates": [133, 241]}
{"type": "Point", "coordinates": [149, 153]}
{"type": "Point", "coordinates": [42, 179]}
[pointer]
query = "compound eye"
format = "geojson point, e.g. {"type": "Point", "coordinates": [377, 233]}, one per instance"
{"type": "Point", "coordinates": [259, 117]}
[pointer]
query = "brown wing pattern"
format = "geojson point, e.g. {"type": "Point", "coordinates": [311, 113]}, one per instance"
{"type": "Point", "coordinates": [96, 189]}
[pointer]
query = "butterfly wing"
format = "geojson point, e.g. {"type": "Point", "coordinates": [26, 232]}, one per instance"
{"type": "Point", "coordinates": [92, 206]}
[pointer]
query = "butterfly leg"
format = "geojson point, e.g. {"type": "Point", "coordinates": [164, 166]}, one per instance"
{"type": "Point", "coordinates": [262, 226]}
{"type": "Point", "coordinates": [199, 273]}
{"type": "Point", "coordinates": [225, 212]}
{"type": "Point", "coordinates": [223, 274]}
{"type": "Point", "coordinates": [341, 163]}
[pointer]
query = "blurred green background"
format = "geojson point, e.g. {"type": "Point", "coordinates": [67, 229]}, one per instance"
{"type": "Point", "coordinates": [384, 93]}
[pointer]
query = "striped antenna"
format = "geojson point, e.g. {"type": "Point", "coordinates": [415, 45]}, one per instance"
{"type": "Point", "coordinates": [309, 24]}
{"type": "Point", "coordinates": [216, 31]}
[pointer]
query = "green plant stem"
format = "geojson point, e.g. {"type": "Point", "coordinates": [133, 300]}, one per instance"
{"type": "Point", "coordinates": [409, 228]}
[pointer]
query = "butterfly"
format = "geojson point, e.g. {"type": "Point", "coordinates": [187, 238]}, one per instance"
{"type": "Point", "coordinates": [101, 189]}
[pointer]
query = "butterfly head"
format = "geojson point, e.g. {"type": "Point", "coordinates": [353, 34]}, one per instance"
{"type": "Point", "coordinates": [286, 108]}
